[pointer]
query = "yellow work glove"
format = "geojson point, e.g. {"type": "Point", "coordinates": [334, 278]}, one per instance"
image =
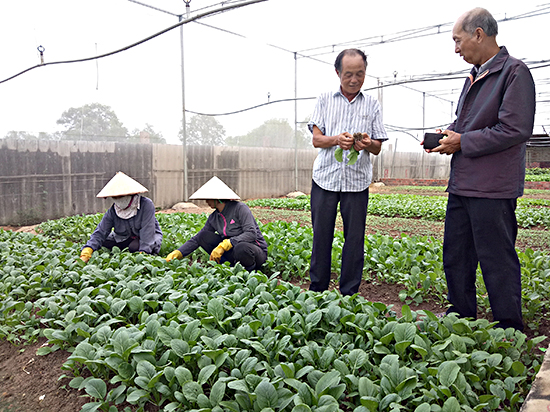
{"type": "Point", "coordinates": [86, 254]}
{"type": "Point", "coordinates": [223, 247]}
{"type": "Point", "coordinates": [176, 254]}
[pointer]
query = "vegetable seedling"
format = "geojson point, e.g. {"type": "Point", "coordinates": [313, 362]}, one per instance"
{"type": "Point", "coordinates": [353, 153]}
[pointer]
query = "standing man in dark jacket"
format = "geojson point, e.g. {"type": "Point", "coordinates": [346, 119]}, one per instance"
{"type": "Point", "coordinates": [495, 117]}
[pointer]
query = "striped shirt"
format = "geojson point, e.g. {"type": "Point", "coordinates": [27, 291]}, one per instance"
{"type": "Point", "coordinates": [333, 115]}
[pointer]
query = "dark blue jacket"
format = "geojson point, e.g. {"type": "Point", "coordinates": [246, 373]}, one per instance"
{"type": "Point", "coordinates": [143, 225]}
{"type": "Point", "coordinates": [235, 223]}
{"type": "Point", "coordinates": [495, 119]}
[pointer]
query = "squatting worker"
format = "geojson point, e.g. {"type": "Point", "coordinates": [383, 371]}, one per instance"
{"type": "Point", "coordinates": [231, 234]}
{"type": "Point", "coordinates": [495, 116]}
{"type": "Point", "coordinates": [129, 223]}
{"type": "Point", "coordinates": [338, 115]}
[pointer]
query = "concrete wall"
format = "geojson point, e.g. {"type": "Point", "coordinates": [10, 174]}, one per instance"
{"type": "Point", "coordinates": [41, 180]}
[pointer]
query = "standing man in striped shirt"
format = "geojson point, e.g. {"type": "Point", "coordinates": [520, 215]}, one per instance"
{"type": "Point", "coordinates": [338, 116]}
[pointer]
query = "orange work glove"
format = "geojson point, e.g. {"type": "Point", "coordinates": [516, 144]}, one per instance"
{"type": "Point", "coordinates": [223, 247]}
{"type": "Point", "coordinates": [176, 254]}
{"type": "Point", "coordinates": [86, 254]}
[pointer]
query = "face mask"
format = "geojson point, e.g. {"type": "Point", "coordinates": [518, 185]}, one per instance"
{"type": "Point", "coordinates": [122, 202]}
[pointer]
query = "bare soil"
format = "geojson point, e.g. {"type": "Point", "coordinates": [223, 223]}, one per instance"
{"type": "Point", "coordinates": [30, 383]}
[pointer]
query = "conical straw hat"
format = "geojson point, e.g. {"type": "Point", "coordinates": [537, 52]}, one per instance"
{"type": "Point", "coordinates": [121, 185]}
{"type": "Point", "coordinates": [214, 189]}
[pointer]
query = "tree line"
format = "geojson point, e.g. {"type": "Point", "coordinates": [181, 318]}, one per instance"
{"type": "Point", "coordinates": [98, 122]}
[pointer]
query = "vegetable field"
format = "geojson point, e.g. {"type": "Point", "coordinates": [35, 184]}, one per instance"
{"type": "Point", "coordinates": [134, 333]}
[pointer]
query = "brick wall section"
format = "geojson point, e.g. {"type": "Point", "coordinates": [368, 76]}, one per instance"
{"type": "Point", "coordinates": [538, 164]}
{"type": "Point", "coordinates": [443, 182]}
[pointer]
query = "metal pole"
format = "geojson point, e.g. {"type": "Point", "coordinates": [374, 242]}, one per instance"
{"type": "Point", "coordinates": [381, 101]}
{"type": "Point", "coordinates": [295, 122]}
{"type": "Point", "coordinates": [423, 131]}
{"type": "Point", "coordinates": [184, 132]}
{"type": "Point", "coordinates": [423, 112]}
{"type": "Point", "coordinates": [183, 122]}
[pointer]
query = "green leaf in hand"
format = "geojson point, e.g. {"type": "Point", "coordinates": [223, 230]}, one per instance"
{"type": "Point", "coordinates": [338, 154]}
{"type": "Point", "coordinates": [352, 156]}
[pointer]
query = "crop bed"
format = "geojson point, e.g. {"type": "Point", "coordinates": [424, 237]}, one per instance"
{"type": "Point", "coordinates": [133, 333]}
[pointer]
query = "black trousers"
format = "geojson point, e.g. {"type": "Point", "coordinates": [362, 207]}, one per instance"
{"type": "Point", "coordinates": [251, 256]}
{"type": "Point", "coordinates": [353, 208]}
{"type": "Point", "coordinates": [131, 243]}
{"type": "Point", "coordinates": [479, 230]}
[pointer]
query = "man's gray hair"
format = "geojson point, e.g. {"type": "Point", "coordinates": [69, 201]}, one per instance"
{"type": "Point", "coordinates": [480, 17]}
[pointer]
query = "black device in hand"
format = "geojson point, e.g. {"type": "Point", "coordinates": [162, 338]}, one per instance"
{"type": "Point", "coordinates": [431, 140]}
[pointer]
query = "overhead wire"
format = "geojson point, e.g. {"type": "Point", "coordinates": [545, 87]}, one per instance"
{"type": "Point", "coordinates": [403, 35]}
{"type": "Point", "coordinates": [183, 21]}
{"type": "Point", "coordinates": [398, 36]}
{"type": "Point", "coordinates": [410, 34]}
{"type": "Point", "coordinates": [292, 99]}
{"type": "Point", "coordinates": [437, 77]}
{"type": "Point", "coordinates": [312, 98]}
{"type": "Point", "coordinates": [231, 4]}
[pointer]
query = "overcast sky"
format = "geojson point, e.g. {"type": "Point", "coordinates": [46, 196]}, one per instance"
{"type": "Point", "coordinates": [226, 73]}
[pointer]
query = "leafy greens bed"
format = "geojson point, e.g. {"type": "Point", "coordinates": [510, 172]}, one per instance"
{"type": "Point", "coordinates": [204, 337]}
{"type": "Point", "coordinates": [537, 174]}
{"type": "Point", "coordinates": [412, 261]}
{"type": "Point", "coordinates": [529, 213]}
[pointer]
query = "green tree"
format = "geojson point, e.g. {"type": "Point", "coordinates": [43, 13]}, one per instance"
{"type": "Point", "coordinates": [94, 121]}
{"type": "Point", "coordinates": [147, 135]}
{"type": "Point", "coordinates": [203, 130]}
{"type": "Point", "coordinates": [273, 133]}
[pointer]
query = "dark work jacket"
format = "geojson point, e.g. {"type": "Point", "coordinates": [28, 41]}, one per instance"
{"type": "Point", "coordinates": [235, 223]}
{"type": "Point", "coordinates": [143, 225]}
{"type": "Point", "coordinates": [495, 118]}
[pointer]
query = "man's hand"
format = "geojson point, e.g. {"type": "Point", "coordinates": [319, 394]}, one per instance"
{"type": "Point", "coordinates": [368, 144]}
{"type": "Point", "coordinates": [448, 145]}
{"type": "Point", "coordinates": [345, 140]}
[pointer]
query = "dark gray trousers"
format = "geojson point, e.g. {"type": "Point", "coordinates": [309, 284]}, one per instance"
{"type": "Point", "coordinates": [480, 230]}
{"type": "Point", "coordinates": [353, 208]}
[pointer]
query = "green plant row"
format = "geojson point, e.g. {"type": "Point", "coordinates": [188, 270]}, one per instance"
{"type": "Point", "coordinates": [298, 203]}
{"type": "Point", "coordinates": [537, 174]}
{"type": "Point", "coordinates": [539, 171]}
{"type": "Point", "coordinates": [207, 337]}
{"type": "Point", "coordinates": [537, 178]}
{"type": "Point", "coordinates": [530, 212]}
{"type": "Point", "coordinates": [412, 261]}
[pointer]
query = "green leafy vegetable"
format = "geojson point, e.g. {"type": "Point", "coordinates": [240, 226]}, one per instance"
{"type": "Point", "coordinates": [193, 335]}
